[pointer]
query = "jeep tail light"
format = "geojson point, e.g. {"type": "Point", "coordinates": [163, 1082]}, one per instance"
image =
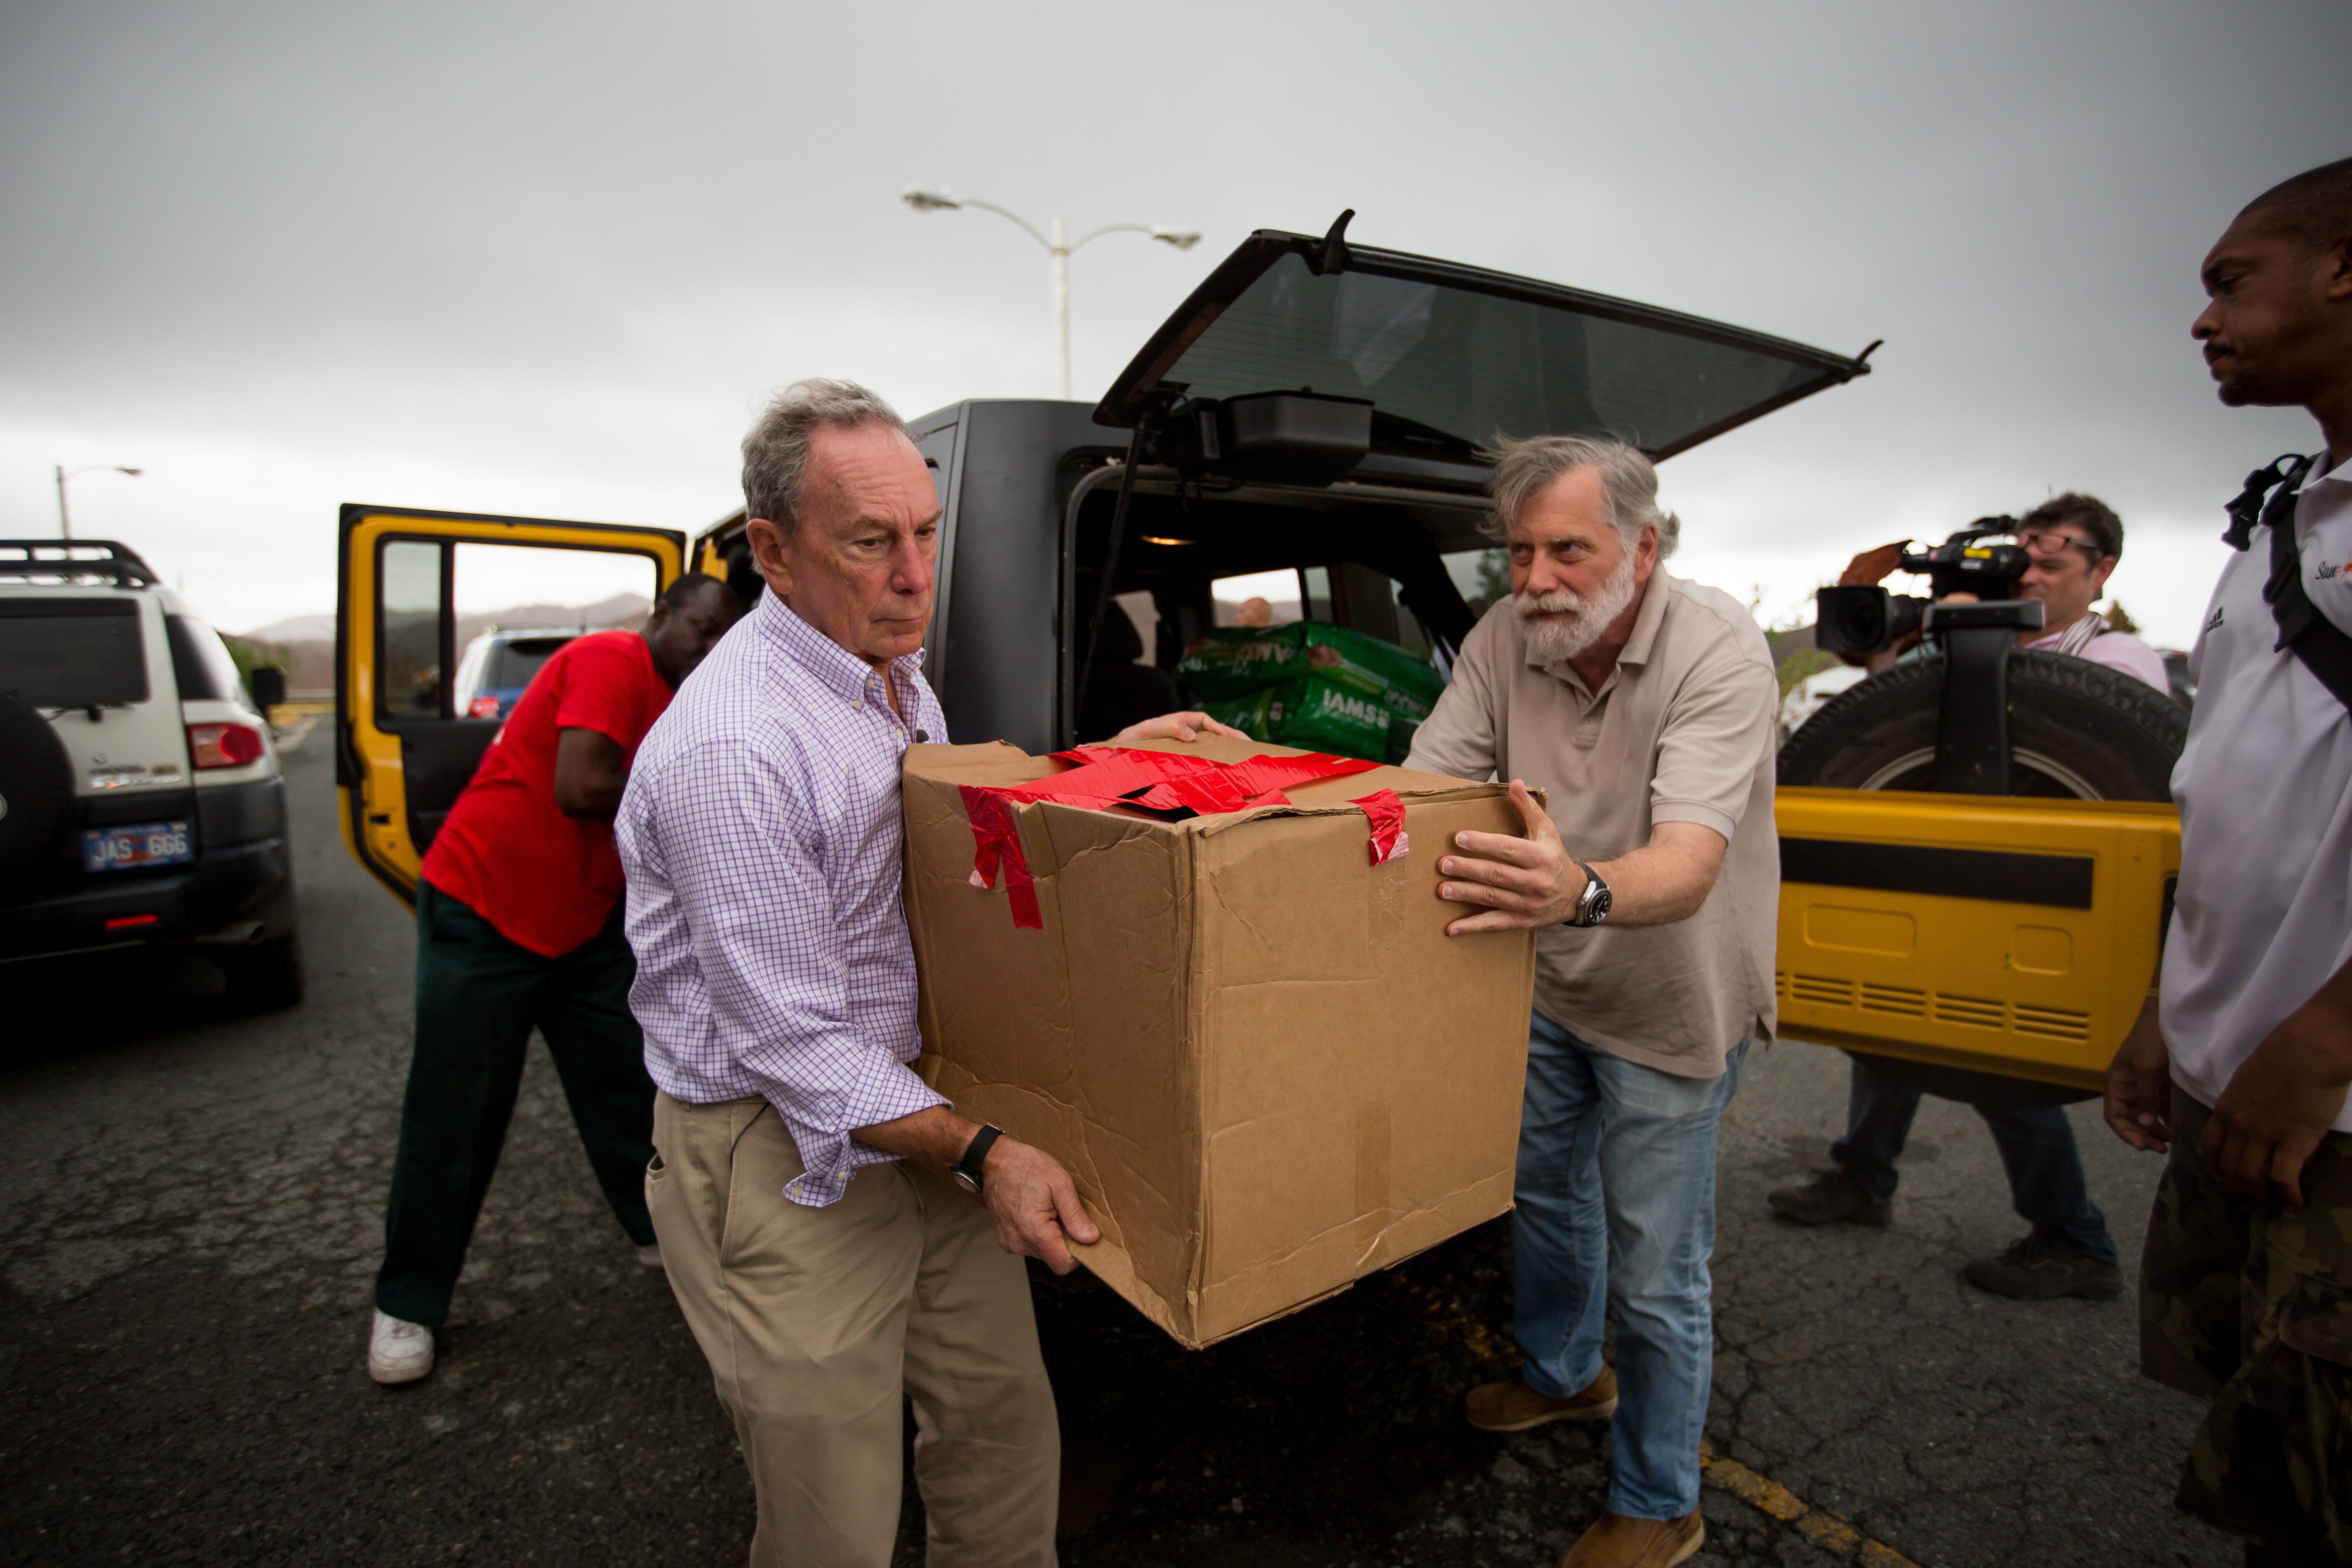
{"type": "Point", "coordinates": [224, 745]}
{"type": "Point", "coordinates": [483, 708]}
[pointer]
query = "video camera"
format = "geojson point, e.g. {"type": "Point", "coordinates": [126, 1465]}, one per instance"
{"type": "Point", "coordinates": [1972, 754]}
{"type": "Point", "coordinates": [1872, 620]}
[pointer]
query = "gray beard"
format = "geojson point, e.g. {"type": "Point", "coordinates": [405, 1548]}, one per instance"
{"type": "Point", "coordinates": [1549, 642]}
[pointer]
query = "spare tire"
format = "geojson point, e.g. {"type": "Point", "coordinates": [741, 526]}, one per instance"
{"type": "Point", "coordinates": [2077, 731]}
{"type": "Point", "coordinates": [36, 784]}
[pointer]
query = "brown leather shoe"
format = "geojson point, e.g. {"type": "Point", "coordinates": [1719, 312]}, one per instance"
{"type": "Point", "coordinates": [1513, 1407]}
{"type": "Point", "coordinates": [1616, 1542]}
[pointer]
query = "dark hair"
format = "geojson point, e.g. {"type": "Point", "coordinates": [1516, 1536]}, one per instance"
{"type": "Point", "coordinates": [2098, 518]}
{"type": "Point", "coordinates": [2314, 207]}
{"type": "Point", "coordinates": [681, 594]}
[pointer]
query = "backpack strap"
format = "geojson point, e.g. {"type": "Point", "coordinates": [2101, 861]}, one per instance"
{"type": "Point", "coordinates": [2324, 647]}
{"type": "Point", "coordinates": [2082, 633]}
{"type": "Point", "coordinates": [2246, 511]}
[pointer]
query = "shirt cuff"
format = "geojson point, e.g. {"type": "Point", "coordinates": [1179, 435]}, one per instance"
{"type": "Point", "coordinates": [1697, 811]}
{"type": "Point", "coordinates": [883, 1089]}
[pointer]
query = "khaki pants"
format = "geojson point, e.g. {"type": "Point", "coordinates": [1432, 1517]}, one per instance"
{"type": "Point", "coordinates": [817, 1321]}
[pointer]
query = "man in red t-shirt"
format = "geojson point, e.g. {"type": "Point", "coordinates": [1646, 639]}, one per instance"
{"type": "Point", "coordinates": [519, 927]}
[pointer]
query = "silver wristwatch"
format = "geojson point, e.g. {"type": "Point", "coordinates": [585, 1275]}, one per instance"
{"type": "Point", "coordinates": [1593, 904]}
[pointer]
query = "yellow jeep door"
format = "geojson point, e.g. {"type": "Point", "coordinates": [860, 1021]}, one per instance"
{"type": "Point", "coordinates": [440, 620]}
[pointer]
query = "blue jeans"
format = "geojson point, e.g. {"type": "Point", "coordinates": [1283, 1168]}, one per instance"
{"type": "Point", "coordinates": [1617, 1157]}
{"type": "Point", "coordinates": [2036, 1143]}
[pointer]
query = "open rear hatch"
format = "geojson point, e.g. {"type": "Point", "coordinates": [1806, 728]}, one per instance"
{"type": "Point", "coordinates": [1306, 358]}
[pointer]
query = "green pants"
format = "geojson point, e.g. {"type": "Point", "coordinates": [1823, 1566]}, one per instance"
{"type": "Point", "coordinates": [2253, 1310]}
{"type": "Point", "coordinates": [478, 996]}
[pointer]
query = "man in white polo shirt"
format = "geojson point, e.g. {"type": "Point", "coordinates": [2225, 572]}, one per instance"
{"type": "Point", "coordinates": [2240, 1061]}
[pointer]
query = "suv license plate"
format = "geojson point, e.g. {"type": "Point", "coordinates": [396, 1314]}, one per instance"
{"type": "Point", "coordinates": [142, 844]}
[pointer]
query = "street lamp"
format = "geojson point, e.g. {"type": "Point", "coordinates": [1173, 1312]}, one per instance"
{"type": "Point", "coordinates": [925, 199]}
{"type": "Point", "coordinates": [65, 520]}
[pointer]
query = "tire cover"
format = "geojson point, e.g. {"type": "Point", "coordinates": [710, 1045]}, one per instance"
{"type": "Point", "coordinates": [36, 784]}
{"type": "Point", "coordinates": [2076, 728]}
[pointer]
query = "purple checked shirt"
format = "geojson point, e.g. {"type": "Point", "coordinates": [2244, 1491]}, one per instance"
{"type": "Point", "coordinates": [761, 836]}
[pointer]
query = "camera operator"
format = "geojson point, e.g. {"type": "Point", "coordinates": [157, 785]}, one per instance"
{"type": "Point", "coordinates": [2071, 542]}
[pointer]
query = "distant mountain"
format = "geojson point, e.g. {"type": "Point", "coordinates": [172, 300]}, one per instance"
{"type": "Point", "coordinates": [295, 628]}
{"type": "Point", "coordinates": [620, 610]}
{"type": "Point", "coordinates": [309, 640]}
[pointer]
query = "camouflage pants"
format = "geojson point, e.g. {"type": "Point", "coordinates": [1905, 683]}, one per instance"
{"type": "Point", "coordinates": [2254, 1312]}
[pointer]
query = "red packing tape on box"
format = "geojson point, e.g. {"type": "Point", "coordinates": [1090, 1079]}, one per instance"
{"type": "Point", "coordinates": [1389, 840]}
{"type": "Point", "coordinates": [1164, 784]}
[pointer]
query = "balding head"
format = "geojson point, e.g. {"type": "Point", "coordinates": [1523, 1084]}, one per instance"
{"type": "Point", "coordinates": [2314, 208]}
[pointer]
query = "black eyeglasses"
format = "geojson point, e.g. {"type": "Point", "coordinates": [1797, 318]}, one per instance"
{"type": "Point", "coordinates": [2044, 546]}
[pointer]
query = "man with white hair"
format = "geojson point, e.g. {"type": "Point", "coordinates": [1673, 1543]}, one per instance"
{"type": "Point", "coordinates": [1645, 706]}
{"type": "Point", "coordinates": [804, 1181]}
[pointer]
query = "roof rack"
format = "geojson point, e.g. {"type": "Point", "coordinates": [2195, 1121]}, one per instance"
{"type": "Point", "coordinates": [74, 561]}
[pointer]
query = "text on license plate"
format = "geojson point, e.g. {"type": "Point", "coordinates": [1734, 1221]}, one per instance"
{"type": "Point", "coordinates": [139, 844]}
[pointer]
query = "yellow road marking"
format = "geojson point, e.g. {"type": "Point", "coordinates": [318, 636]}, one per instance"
{"type": "Point", "coordinates": [1766, 1496]}
{"type": "Point", "coordinates": [1823, 1529]}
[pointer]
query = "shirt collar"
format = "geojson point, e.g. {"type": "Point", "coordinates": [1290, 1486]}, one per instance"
{"type": "Point", "coordinates": [2340, 474]}
{"type": "Point", "coordinates": [844, 672]}
{"type": "Point", "coordinates": [1646, 618]}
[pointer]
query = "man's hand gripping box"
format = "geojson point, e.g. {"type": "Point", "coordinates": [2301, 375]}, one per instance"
{"type": "Point", "coordinates": [1249, 1039]}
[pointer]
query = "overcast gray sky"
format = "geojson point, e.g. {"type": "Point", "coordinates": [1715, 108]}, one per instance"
{"type": "Point", "coordinates": [545, 259]}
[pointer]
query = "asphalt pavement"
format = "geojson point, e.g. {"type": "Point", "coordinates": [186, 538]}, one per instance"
{"type": "Point", "coordinates": [189, 1225]}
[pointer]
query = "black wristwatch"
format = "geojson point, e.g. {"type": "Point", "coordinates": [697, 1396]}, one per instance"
{"type": "Point", "coordinates": [1593, 904]}
{"type": "Point", "coordinates": [967, 1171]}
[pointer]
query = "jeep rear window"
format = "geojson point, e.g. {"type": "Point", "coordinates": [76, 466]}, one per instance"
{"type": "Point", "coordinates": [72, 653]}
{"type": "Point", "coordinates": [1450, 365]}
{"type": "Point", "coordinates": [512, 665]}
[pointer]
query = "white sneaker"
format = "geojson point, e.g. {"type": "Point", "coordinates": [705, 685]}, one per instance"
{"type": "Point", "coordinates": [398, 1351]}
{"type": "Point", "coordinates": [650, 1255]}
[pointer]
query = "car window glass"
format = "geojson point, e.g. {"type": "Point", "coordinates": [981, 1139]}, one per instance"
{"type": "Point", "coordinates": [72, 653]}
{"type": "Point", "coordinates": [516, 604]}
{"type": "Point", "coordinates": [532, 588]}
{"type": "Point", "coordinates": [1360, 597]}
{"type": "Point", "coordinates": [201, 664]}
{"type": "Point", "coordinates": [491, 593]}
{"type": "Point", "coordinates": [1462, 365]}
{"type": "Point", "coordinates": [1484, 576]}
{"type": "Point", "coordinates": [1256, 599]}
{"type": "Point", "coordinates": [408, 673]}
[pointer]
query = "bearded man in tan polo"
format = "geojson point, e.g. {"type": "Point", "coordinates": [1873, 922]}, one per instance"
{"type": "Point", "coordinates": [1644, 705]}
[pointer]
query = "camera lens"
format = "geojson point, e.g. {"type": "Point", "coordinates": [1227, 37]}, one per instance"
{"type": "Point", "coordinates": [1862, 619]}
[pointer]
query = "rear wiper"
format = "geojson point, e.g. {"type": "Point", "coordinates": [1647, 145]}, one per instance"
{"type": "Point", "coordinates": [1392, 432]}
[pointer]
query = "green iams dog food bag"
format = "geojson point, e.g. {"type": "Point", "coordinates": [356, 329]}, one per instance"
{"type": "Point", "coordinates": [1317, 687]}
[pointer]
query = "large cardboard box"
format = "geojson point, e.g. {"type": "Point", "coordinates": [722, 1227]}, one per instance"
{"type": "Point", "coordinates": [1267, 1065]}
